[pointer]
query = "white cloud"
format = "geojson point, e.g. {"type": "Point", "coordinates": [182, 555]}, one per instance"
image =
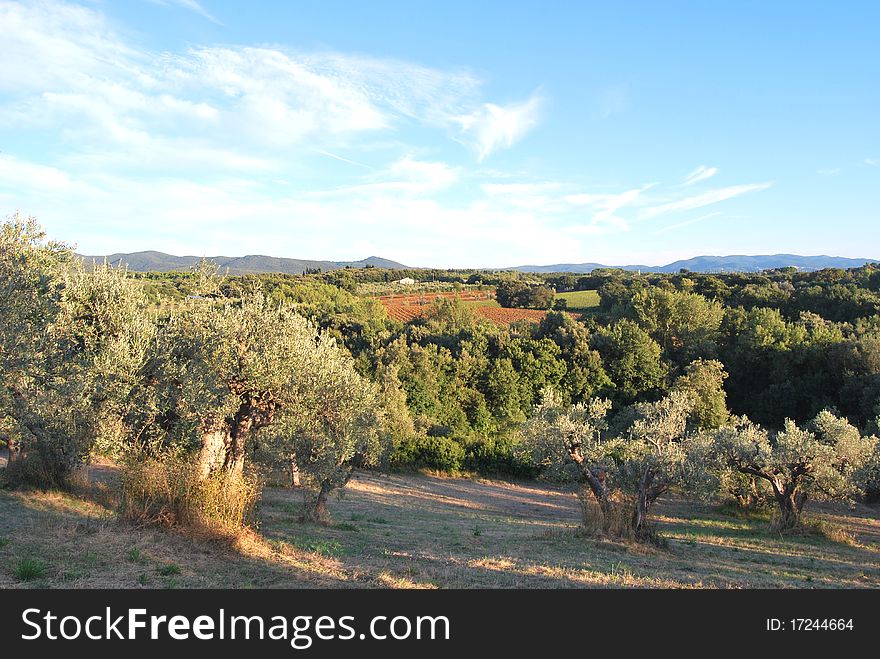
{"type": "Point", "coordinates": [606, 206]}
{"type": "Point", "coordinates": [873, 162]}
{"type": "Point", "coordinates": [67, 70]}
{"type": "Point", "coordinates": [191, 5]}
{"type": "Point", "coordinates": [829, 172]}
{"type": "Point", "coordinates": [494, 127]}
{"type": "Point", "coordinates": [701, 173]}
{"type": "Point", "coordinates": [398, 218]}
{"type": "Point", "coordinates": [700, 200]}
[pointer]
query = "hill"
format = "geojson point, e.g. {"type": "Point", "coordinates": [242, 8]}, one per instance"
{"type": "Point", "coordinates": [735, 263]}
{"type": "Point", "coordinates": [151, 261]}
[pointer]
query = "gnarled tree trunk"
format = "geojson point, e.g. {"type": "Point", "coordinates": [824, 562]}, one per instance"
{"type": "Point", "coordinates": [790, 502]}
{"type": "Point", "coordinates": [224, 440]}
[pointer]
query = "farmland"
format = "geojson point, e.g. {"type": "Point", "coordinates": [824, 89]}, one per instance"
{"type": "Point", "coordinates": [407, 307]}
{"type": "Point", "coordinates": [582, 301]}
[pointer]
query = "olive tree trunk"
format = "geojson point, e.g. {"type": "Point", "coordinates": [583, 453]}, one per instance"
{"type": "Point", "coordinates": [224, 441]}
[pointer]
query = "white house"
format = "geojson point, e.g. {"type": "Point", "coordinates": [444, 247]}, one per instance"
{"type": "Point", "coordinates": [406, 281]}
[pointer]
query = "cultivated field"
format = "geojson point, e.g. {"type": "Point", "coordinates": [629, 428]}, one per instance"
{"type": "Point", "coordinates": [417, 531]}
{"type": "Point", "coordinates": [582, 301]}
{"type": "Point", "coordinates": [407, 307]}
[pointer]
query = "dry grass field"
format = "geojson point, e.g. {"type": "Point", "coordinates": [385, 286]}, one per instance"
{"type": "Point", "coordinates": [416, 531]}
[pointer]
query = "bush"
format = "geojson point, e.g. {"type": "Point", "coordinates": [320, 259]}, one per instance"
{"type": "Point", "coordinates": [614, 522]}
{"type": "Point", "coordinates": [485, 456]}
{"type": "Point", "coordinates": [440, 453]}
{"type": "Point", "coordinates": [497, 457]}
{"type": "Point", "coordinates": [171, 492]}
{"type": "Point", "coordinates": [33, 470]}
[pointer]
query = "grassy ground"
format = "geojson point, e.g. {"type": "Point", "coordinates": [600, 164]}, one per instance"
{"type": "Point", "coordinates": [580, 300]}
{"type": "Point", "coordinates": [429, 532]}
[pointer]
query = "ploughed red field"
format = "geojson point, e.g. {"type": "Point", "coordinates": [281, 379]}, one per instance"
{"type": "Point", "coordinates": [407, 307]}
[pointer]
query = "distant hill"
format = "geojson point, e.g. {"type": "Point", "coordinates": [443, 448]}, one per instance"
{"type": "Point", "coordinates": [735, 263]}
{"type": "Point", "coordinates": [151, 261]}
{"type": "Point", "coordinates": [236, 265]}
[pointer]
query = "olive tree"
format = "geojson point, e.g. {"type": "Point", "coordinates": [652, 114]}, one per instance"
{"type": "Point", "coordinates": [821, 459]}
{"type": "Point", "coordinates": [31, 270]}
{"type": "Point", "coordinates": [66, 335]}
{"type": "Point", "coordinates": [337, 426]}
{"type": "Point", "coordinates": [653, 455]}
{"type": "Point", "coordinates": [225, 371]}
{"type": "Point", "coordinates": [568, 443]}
{"type": "Point", "coordinates": [625, 474]}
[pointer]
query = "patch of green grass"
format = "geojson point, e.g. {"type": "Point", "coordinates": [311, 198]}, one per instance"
{"type": "Point", "coordinates": [30, 569]}
{"type": "Point", "coordinates": [328, 548]}
{"type": "Point", "coordinates": [144, 579]}
{"type": "Point", "coordinates": [135, 555]}
{"type": "Point", "coordinates": [3, 542]}
{"type": "Point", "coordinates": [580, 300]}
{"type": "Point", "coordinates": [377, 520]}
{"type": "Point", "coordinates": [346, 526]}
{"type": "Point", "coordinates": [357, 517]}
{"type": "Point", "coordinates": [90, 559]}
{"type": "Point", "coordinates": [169, 569]}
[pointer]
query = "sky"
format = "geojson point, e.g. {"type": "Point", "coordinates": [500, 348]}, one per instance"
{"type": "Point", "coordinates": [444, 134]}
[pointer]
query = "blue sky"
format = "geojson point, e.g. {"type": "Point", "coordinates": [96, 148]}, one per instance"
{"type": "Point", "coordinates": [445, 133]}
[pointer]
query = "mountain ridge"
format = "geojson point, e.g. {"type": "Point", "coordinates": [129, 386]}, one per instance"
{"type": "Point", "coordinates": [155, 261]}
{"type": "Point", "coordinates": [718, 264]}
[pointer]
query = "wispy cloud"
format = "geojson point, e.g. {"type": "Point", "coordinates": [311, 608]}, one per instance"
{"type": "Point", "coordinates": [606, 206]}
{"type": "Point", "coordinates": [191, 5]}
{"type": "Point", "coordinates": [493, 127]}
{"type": "Point", "coordinates": [612, 100]}
{"type": "Point", "coordinates": [69, 70]}
{"type": "Point", "coordinates": [704, 199]}
{"type": "Point", "coordinates": [679, 225]}
{"type": "Point", "coordinates": [831, 171]}
{"type": "Point", "coordinates": [701, 173]}
{"type": "Point", "coordinates": [873, 162]}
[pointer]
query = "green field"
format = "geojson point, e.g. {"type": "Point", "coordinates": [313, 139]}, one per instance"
{"type": "Point", "coordinates": [580, 300]}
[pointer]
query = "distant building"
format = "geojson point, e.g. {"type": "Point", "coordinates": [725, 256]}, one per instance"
{"type": "Point", "coordinates": [406, 281]}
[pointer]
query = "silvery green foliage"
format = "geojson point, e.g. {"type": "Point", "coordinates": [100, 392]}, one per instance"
{"type": "Point", "coordinates": [822, 460]}
{"type": "Point", "coordinates": [31, 270]}
{"type": "Point", "coordinates": [338, 424]}
{"type": "Point", "coordinates": [105, 337]}
{"type": "Point", "coordinates": [709, 471]}
{"type": "Point", "coordinates": [237, 370]}
{"type": "Point", "coordinates": [65, 345]}
{"type": "Point", "coordinates": [559, 439]}
{"type": "Point", "coordinates": [654, 453]}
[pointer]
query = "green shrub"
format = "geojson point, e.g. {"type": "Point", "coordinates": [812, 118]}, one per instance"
{"type": "Point", "coordinates": [440, 453]}
{"type": "Point", "coordinates": [497, 457]}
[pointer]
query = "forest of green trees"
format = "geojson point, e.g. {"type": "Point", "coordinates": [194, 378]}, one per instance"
{"type": "Point", "coordinates": [759, 388]}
